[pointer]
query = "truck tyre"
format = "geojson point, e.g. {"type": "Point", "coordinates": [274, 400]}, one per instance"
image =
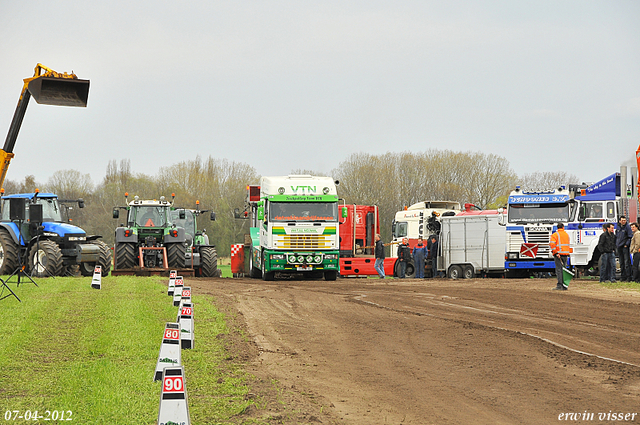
{"type": "Point", "coordinates": [468, 272]}
{"type": "Point", "coordinates": [9, 253]}
{"type": "Point", "coordinates": [254, 272]}
{"type": "Point", "coordinates": [45, 259]}
{"type": "Point", "coordinates": [410, 271]}
{"type": "Point", "coordinates": [104, 261]}
{"type": "Point", "coordinates": [125, 255]}
{"type": "Point", "coordinates": [455, 272]}
{"type": "Point", "coordinates": [330, 275]}
{"type": "Point", "coordinates": [176, 255]}
{"type": "Point", "coordinates": [208, 262]}
{"type": "Point", "coordinates": [267, 276]}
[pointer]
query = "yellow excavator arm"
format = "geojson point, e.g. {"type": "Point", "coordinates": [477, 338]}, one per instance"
{"type": "Point", "coordinates": [47, 87]}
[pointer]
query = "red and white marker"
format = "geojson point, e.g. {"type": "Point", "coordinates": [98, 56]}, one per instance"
{"type": "Point", "coordinates": [170, 354]}
{"type": "Point", "coordinates": [174, 408]}
{"type": "Point", "coordinates": [177, 291]}
{"type": "Point", "coordinates": [185, 320]}
{"type": "Point", "coordinates": [96, 281]}
{"type": "Point", "coordinates": [172, 285]}
{"type": "Point", "coordinates": [186, 295]}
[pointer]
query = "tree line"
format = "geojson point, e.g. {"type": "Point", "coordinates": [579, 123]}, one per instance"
{"type": "Point", "coordinates": [391, 181]}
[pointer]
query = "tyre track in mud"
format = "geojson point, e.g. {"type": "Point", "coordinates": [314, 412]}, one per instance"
{"type": "Point", "coordinates": [443, 352]}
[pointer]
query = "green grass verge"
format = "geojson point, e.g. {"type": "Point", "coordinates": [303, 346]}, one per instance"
{"type": "Point", "coordinates": [68, 347]}
{"type": "Point", "coordinates": [621, 285]}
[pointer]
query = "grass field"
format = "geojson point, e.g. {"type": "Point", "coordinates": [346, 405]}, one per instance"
{"type": "Point", "coordinates": [92, 353]}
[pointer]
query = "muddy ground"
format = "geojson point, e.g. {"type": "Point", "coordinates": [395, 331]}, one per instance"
{"type": "Point", "coordinates": [481, 351]}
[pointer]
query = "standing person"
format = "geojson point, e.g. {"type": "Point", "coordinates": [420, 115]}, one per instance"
{"type": "Point", "coordinates": [379, 254]}
{"type": "Point", "coordinates": [560, 248]}
{"type": "Point", "coordinates": [607, 248]}
{"type": "Point", "coordinates": [623, 240]}
{"type": "Point", "coordinates": [433, 253]}
{"type": "Point", "coordinates": [418, 258]}
{"type": "Point", "coordinates": [404, 255]}
{"type": "Point", "coordinates": [634, 248]}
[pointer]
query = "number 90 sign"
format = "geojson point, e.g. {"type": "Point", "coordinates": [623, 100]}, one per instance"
{"type": "Point", "coordinates": [172, 334]}
{"type": "Point", "coordinates": [173, 384]}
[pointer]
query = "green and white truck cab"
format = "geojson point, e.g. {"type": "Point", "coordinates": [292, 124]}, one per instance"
{"type": "Point", "coordinates": [294, 229]}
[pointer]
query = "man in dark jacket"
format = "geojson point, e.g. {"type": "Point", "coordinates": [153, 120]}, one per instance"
{"type": "Point", "coordinates": [623, 241]}
{"type": "Point", "coordinates": [379, 254]}
{"type": "Point", "coordinates": [433, 254]}
{"type": "Point", "coordinates": [404, 255]}
{"type": "Point", "coordinates": [607, 248]}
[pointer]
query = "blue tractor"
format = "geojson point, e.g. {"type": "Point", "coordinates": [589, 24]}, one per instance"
{"type": "Point", "coordinates": [45, 243]}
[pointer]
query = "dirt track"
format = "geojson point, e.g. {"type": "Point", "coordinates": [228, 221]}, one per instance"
{"type": "Point", "coordinates": [485, 351]}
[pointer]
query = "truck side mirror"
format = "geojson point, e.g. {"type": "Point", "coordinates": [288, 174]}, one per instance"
{"type": "Point", "coordinates": [80, 203]}
{"type": "Point", "coordinates": [212, 217]}
{"type": "Point", "coordinates": [261, 213]}
{"type": "Point", "coordinates": [116, 213]}
{"type": "Point", "coordinates": [181, 214]}
{"type": "Point", "coordinates": [345, 212]}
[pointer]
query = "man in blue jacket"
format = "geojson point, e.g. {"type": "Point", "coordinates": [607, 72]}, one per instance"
{"type": "Point", "coordinates": [418, 258]}
{"type": "Point", "coordinates": [623, 241]}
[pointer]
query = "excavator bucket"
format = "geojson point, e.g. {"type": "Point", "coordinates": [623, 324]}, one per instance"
{"type": "Point", "coordinates": [59, 91]}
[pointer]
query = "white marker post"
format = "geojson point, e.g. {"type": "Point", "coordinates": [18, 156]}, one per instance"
{"type": "Point", "coordinates": [185, 320]}
{"type": "Point", "coordinates": [96, 281]}
{"type": "Point", "coordinates": [174, 407]}
{"type": "Point", "coordinates": [177, 291]}
{"type": "Point", "coordinates": [172, 285]}
{"type": "Point", "coordinates": [186, 295]}
{"type": "Point", "coordinates": [170, 354]}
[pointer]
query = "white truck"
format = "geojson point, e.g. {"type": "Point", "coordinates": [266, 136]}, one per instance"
{"type": "Point", "coordinates": [294, 227]}
{"type": "Point", "coordinates": [471, 244]}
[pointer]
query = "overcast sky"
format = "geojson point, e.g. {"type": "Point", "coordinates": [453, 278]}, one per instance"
{"type": "Point", "coordinates": [282, 85]}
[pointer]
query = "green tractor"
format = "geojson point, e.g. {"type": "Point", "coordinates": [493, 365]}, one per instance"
{"type": "Point", "coordinates": [200, 255]}
{"type": "Point", "coordinates": [159, 236]}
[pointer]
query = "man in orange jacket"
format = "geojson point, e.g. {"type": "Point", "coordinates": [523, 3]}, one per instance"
{"type": "Point", "coordinates": [560, 248]}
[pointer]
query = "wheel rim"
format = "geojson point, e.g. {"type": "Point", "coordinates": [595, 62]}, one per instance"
{"type": "Point", "coordinates": [40, 261]}
{"type": "Point", "coordinates": [1, 255]}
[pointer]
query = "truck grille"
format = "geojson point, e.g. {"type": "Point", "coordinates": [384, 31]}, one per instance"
{"type": "Point", "coordinates": [303, 242]}
{"type": "Point", "coordinates": [542, 239]}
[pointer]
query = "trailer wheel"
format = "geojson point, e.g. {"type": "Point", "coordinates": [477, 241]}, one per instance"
{"type": "Point", "coordinates": [9, 253]}
{"type": "Point", "coordinates": [45, 259]}
{"type": "Point", "coordinates": [208, 262]}
{"type": "Point", "coordinates": [125, 255]}
{"type": "Point", "coordinates": [176, 255]}
{"type": "Point", "coordinates": [468, 272]}
{"type": "Point", "coordinates": [455, 272]}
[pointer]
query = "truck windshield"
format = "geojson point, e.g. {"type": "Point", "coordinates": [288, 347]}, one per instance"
{"type": "Point", "coordinates": [303, 211]}
{"type": "Point", "coordinates": [148, 216]}
{"type": "Point", "coordinates": [538, 213]}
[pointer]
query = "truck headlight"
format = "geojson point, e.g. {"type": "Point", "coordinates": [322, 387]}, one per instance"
{"type": "Point", "coordinates": [331, 256]}
{"type": "Point", "coordinates": [277, 256]}
{"type": "Point", "coordinates": [513, 255]}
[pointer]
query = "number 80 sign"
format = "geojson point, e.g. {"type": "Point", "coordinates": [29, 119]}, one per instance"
{"type": "Point", "coordinates": [172, 334]}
